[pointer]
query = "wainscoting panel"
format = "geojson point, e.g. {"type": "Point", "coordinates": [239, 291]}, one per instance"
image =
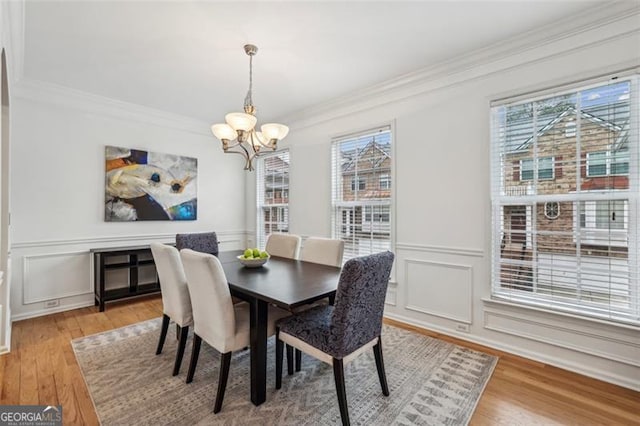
{"type": "Point", "coordinates": [68, 270]}
{"type": "Point", "coordinates": [593, 339]}
{"type": "Point", "coordinates": [439, 288]}
{"type": "Point", "coordinates": [57, 275]}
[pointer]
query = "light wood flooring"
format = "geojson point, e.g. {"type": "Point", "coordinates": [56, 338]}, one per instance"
{"type": "Point", "coordinates": [41, 369]}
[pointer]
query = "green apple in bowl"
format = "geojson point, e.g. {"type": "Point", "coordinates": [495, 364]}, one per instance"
{"type": "Point", "coordinates": [248, 254]}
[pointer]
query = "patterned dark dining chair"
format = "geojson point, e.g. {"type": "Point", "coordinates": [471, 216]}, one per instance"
{"type": "Point", "coordinates": [338, 334]}
{"type": "Point", "coordinates": [204, 242]}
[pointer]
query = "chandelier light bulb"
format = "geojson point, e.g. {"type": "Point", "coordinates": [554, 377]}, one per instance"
{"type": "Point", "coordinates": [274, 131]}
{"type": "Point", "coordinates": [224, 132]}
{"type": "Point", "coordinates": [241, 121]}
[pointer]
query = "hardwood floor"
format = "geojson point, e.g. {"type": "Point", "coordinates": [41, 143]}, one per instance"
{"type": "Point", "coordinates": [41, 369]}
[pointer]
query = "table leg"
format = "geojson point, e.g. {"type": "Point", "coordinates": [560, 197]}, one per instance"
{"type": "Point", "coordinates": [258, 341]}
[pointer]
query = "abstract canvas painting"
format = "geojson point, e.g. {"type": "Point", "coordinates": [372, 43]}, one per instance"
{"type": "Point", "coordinates": [144, 185]}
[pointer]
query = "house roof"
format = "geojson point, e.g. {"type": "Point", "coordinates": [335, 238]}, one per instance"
{"type": "Point", "coordinates": [358, 154]}
{"type": "Point", "coordinates": [610, 125]}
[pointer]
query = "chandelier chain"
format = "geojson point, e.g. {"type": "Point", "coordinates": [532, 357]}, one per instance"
{"type": "Point", "coordinates": [248, 101]}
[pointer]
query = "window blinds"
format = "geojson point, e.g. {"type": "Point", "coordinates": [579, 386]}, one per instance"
{"type": "Point", "coordinates": [272, 195]}
{"type": "Point", "coordinates": [565, 200]}
{"type": "Point", "coordinates": [362, 191]}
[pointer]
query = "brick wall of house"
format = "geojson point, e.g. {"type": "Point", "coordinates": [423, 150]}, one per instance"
{"type": "Point", "coordinates": [555, 143]}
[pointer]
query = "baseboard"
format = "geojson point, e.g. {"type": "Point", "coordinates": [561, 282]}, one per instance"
{"type": "Point", "coordinates": [625, 382]}
{"type": "Point", "coordinates": [48, 311]}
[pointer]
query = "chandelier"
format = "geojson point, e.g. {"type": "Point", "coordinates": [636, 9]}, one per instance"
{"type": "Point", "coordinates": [239, 136]}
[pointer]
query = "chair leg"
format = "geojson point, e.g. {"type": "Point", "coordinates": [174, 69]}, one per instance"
{"type": "Point", "coordinates": [163, 333]}
{"type": "Point", "coordinates": [298, 359]}
{"type": "Point", "coordinates": [177, 332]}
{"type": "Point", "coordinates": [279, 356]}
{"type": "Point", "coordinates": [289, 360]}
{"type": "Point", "coordinates": [195, 352]}
{"type": "Point", "coordinates": [338, 374]}
{"type": "Point", "coordinates": [184, 332]}
{"type": "Point", "coordinates": [377, 352]}
{"type": "Point", "coordinates": [225, 362]}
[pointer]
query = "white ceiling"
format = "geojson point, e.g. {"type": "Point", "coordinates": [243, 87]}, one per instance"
{"type": "Point", "coordinates": [187, 57]}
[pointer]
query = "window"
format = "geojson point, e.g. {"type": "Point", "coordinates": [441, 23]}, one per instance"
{"type": "Point", "coordinates": [272, 192]}
{"type": "Point", "coordinates": [573, 244]}
{"type": "Point", "coordinates": [552, 210]}
{"type": "Point", "coordinates": [358, 183]}
{"type": "Point", "coordinates": [604, 163]}
{"type": "Point", "coordinates": [361, 213]}
{"type": "Point", "coordinates": [545, 169]}
{"type": "Point", "coordinates": [385, 182]}
{"type": "Point", "coordinates": [570, 129]}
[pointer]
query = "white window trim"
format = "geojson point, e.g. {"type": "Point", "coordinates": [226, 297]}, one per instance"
{"type": "Point", "coordinates": [499, 199]}
{"type": "Point", "coordinates": [261, 203]}
{"type": "Point", "coordinates": [336, 206]}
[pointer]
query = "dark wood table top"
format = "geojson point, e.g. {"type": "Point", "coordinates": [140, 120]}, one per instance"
{"type": "Point", "coordinates": [286, 283]}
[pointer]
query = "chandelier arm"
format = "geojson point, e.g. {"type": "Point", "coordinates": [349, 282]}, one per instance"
{"type": "Point", "coordinates": [231, 144]}
{"type": "Point", "coordinates": [242, 126]}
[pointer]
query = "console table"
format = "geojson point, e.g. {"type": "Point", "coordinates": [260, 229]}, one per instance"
{"type": "Point", "coordinates": [137, 257]}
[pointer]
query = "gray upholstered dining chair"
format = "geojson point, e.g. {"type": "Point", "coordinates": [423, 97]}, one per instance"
{"type": "Point", "coordinates": [216, 320]}
{"type": "Point", "coordinates": [176, 303]}
{"type": "Point", "coordinates": [205, 242]}
{"type": "Point", "coordinates": [325, 251]}
{"type": "Point", "coordinates": [283, 245]}
{"type": "Point", "coordinates": [338, 334]}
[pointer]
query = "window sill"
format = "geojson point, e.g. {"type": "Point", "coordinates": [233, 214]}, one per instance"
{"type": "Point", "coordinates": [527, 307]}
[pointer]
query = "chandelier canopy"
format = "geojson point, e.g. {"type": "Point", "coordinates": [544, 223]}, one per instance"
{"type": "Point", "coordinates": [239, 136]}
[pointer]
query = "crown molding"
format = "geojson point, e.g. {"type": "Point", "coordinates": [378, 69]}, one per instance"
{"type": "Point", "coordinates": [604, 23]}
{"type": "Point", "coordinates": [45, 92]}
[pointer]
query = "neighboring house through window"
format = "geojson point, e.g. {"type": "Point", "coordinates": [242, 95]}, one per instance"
{"type": "Point", "coordinates": [545, 168]}
{"type": "Point", "coordinates": [361, 191]}
{"type": "Point", "coordinates": [565, 200]}
{"type": "Point", "coordinates": [272, 192]}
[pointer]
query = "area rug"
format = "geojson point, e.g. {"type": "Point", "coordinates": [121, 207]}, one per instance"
{"type": "Point", "coordinates": [431, 383]}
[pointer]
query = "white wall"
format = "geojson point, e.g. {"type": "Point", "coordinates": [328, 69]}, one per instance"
{"type": "Point", "coordinates": [441, 187]}
{"type": "Point", "coordinates": [58, 181]}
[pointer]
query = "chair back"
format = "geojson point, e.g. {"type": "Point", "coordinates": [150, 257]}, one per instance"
{"type": "Point", "coordinates": [205, 242]}
{"type": "Point", "coordinates": [323, 250]}
{"type": "Point", "coordinates": [283, 245]}
{"type": "Point", "coordinates": [176, 302]}
{"type": "Point", "coordinates": [359, 303]}
{"type": "Point", "coordinates": [213, 314]}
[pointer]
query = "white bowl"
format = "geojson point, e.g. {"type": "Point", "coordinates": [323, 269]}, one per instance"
{"type": "Point", "coordinates": [253, 263]}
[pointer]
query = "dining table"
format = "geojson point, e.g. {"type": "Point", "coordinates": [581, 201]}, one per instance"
{"type": "Point", "coordinates": [285, 283]}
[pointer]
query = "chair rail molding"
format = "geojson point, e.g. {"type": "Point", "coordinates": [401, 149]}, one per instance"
{"type": "Point", "coordinates": [223, 236]}
{"type": "Point", "coordinates": [460, 251]}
